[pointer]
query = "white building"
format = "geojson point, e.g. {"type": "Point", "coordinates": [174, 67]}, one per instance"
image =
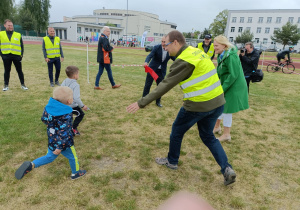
{"type": "Point", "coordinates": [123, 23]}
{"type": "Point", "coordinates": [262, 23]}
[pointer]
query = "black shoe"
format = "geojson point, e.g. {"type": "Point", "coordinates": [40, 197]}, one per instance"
{"type": "Point", "coordinates": [23, 169]}
{"type": "Point", "coordinates": [158, 104]}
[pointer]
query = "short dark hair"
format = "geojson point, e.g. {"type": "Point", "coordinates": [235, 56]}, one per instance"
{"type": "Point", "coordinates": [176, 35]}
{"type": "Point", "coordinates": [249, 43]}
{"type": "Point", "coordinates": [72, 70]}
{"type": "Point", "coordinates": [7, 20]}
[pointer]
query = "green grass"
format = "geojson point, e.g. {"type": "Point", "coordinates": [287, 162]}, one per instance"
{"type": "Point", "coordinates": [118, 149]}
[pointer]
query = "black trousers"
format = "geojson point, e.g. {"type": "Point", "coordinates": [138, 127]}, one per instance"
{"type": "Point", "coordinates": [79, 116]}
{"type": "Point", "coordinates": [56, 62]}
{"type": "Point", "coordinates": [149, 81]}
{"type": "Point", "coordinates": [248, 79]}
{"type": "Point", "coordinates": [7, 62]}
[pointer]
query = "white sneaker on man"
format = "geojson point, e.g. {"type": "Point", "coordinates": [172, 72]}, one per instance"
{"type": "Point", "coordinates": [5, 88]}
{"type": "Point", "coordinates": [24, 87]}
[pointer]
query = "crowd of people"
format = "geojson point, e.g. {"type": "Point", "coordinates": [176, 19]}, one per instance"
{"type": "Point", "coordinates": [210, 94]}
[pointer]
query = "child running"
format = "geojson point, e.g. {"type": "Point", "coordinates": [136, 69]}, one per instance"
{"type": "Point", "coordinates": [58, 118]}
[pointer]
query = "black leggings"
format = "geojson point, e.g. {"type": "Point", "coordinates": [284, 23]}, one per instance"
{"type": "Point", "coordinates": [79, 116]}
{"type": "Point", "coordinates": [7, 61]}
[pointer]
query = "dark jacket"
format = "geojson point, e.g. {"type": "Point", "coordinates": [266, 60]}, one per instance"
{"type": "Point", "coordinates": [156, 59]}
{"type": "Point", "coordinates": [249, 62]}
{"type": "Point", "coordinates": [104, 43]}
{"type": "Point", "coordinates": [58, 118]}
{"type": "Point", "coordinates": [282, 54]}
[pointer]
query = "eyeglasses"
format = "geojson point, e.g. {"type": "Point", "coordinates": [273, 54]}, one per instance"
{"type": "Point", "coordinates": [168, 43]}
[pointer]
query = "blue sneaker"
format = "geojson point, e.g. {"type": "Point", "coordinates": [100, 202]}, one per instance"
{"type": "Point", "coordinates": [79, 174]}
{"type": "Point", "coordinates": [25, 168]}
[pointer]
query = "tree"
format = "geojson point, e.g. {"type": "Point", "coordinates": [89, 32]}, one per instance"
{"type": "Point", "coordinates": [244, 37]}
{"type": "Point", "coordinates": [286, 35]}
{"type": "Point", "coordinates": [40, 13]}
{"type": "Point", "coordinates": [6, 9]}
{"type": "Point", "coordinates": [219, 24]}
{"type": "Point", "coordinates": [27, 21]}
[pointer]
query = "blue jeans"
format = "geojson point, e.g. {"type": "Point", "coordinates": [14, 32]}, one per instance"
{"type": "Point", "coordinates": [100, 72]}
{"type": "Point", "coordinates": [205, 122]}
{"type": "Point", "coordinates": [69, 153]}
{"type": "Point", "coordinates": [57, 64]}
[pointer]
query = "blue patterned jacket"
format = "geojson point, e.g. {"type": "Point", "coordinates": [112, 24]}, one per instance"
{"type": "Point", "coordinates": [58, 118]}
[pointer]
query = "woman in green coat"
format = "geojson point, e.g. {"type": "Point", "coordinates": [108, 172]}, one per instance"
{"type": "Point", "coordinates": [233, 82]}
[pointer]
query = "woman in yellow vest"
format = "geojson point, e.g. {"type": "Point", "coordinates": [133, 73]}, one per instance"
{"type": "Point", "coordinates": [233, 83]}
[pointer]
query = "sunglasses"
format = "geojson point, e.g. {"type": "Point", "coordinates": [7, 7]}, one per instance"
{"type": "Point", "coordinates": [168, 43]}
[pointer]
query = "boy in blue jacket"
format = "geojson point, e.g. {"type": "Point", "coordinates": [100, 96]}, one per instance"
{"type": "Point", "coordinates": [58, 118]}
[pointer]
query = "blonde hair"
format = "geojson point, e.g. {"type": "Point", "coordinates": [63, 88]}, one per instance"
{"type": "Point", "coordinates": [224, 41]}
{"type": "Point", "coordinates": [62, 94]}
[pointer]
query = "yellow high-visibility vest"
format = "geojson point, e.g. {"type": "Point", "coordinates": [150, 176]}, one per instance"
{"type": "Point", "coordinates": [13, 46]}
{"type": "Point", "coordinates": [203, 84]}
{"type": "Point", "coordinates": [52, 49]}
{"type": "Point", "coordinates": [210, 51]}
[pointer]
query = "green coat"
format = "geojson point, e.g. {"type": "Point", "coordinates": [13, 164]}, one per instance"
{"type": "Point", "coordinates": [233, 82]}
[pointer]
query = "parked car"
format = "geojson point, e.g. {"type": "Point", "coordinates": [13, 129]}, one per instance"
{"type": "Point", "coordinates": [150, 46]}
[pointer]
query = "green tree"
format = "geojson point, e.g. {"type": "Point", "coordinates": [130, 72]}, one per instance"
{"type": "Point", "coordinates": [40, 13]}
{"type": "Point", "coordinates": [6, 10]}
{"type": "Point", "coordinates": [286, 35]}
{"type": "Point", "coordinates": [218, 26]}
{"type": "Point", "coordinates": [110, 24]}
{"type": "Point", "coordinates": [27, 21]}
{"type": "Point", "coordinates": [244, 37]}
{"type": "Point", "coordinates": [205, 32]}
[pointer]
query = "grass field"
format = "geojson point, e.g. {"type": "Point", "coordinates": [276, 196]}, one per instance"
{"type": "Point", "coordinates": [118, 149]}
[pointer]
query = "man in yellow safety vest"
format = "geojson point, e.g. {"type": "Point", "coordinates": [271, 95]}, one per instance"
{"type": "Point", "coordinates": [203, 101]}
{"type": "Point", "coordinates": [207, 46]}
{"type": "Point", "coordinates": [53, 54]}
{"type": "Point", "coordinates": [11, 51]}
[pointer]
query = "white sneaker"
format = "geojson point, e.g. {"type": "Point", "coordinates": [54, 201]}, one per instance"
{"type": "Point", "coordinates": [5, 88]}
{"type": "Point", "coordinates": [24, 87]}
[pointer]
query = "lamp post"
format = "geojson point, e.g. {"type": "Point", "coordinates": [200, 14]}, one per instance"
{"type": "Point", "coordinates": [127, 22]}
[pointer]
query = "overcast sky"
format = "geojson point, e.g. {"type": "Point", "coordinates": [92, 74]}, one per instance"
{"type": "Point", "coordinates": [187, 14]}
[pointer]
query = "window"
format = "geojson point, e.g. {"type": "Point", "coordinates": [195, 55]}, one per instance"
{"type": "Point", "coordinates": [265, 41]}
{"type": "Point", "coordinates": [275, 29]}
{"type": "Point", "coordinates": [298, 30]}
{"type": "Point", "coordinates": [232, 29]}
{"type": "Point", "coordinates": [298, 19]}
{"type": "Point", "coordinates": [233, 20]}
{"type": "Point", "coordinates": [249, 19]}
{"type": "Point", "coordinates": [98, 30]}
{"type": "Point", "coordinates": [155, 34]}
{"type": "Point", "coordinates": [260, 19]}
{"type": "Point", "coordinates": [248, 28]}
{"type": "Point", "coordinates": [116, 14]}
{"type": "Point", "coordinates": [241, 19]}
{"type": "Point", "coordinates": [103, 13]}
{"type": "Point", "coordinates": [91, 30]}
{"type": "Point", "coordinates": [291, 19]}
{"type": "Point", "coordinates": [161, 34]}
{"type": "Point", "coordinates": [95, 30]}
{"type": "Point", "coordinates": [172, 26]}
{"type": "Point", "coordinates": [115, 32]}
{"type": "Point", "coordinates": [79, 30]}
{"type": "Point", "coordinates": [267, 30]}
{"type": "Point", "coordinates": [258, 30]}
{"type": "Point", "coordinates": [269, 19]}
{"type": "Point", "coordinates": [86, 29]}
{"type": "Point", "coordinates": [240, 29]}
{"type": "Point", "coordinates": [148, 28]}
{"type": "Point", "coordinates": [278, 20]}
{"type": "Point", "coordinates": [256, 40]}
{"type": "Point", "coordinates": [230, 39]}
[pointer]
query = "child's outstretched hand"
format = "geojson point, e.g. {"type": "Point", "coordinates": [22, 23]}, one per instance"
{"type": "Point", "coordinates": [85, 108]}
{"type": "Point", "coordinates": [57, 152]}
